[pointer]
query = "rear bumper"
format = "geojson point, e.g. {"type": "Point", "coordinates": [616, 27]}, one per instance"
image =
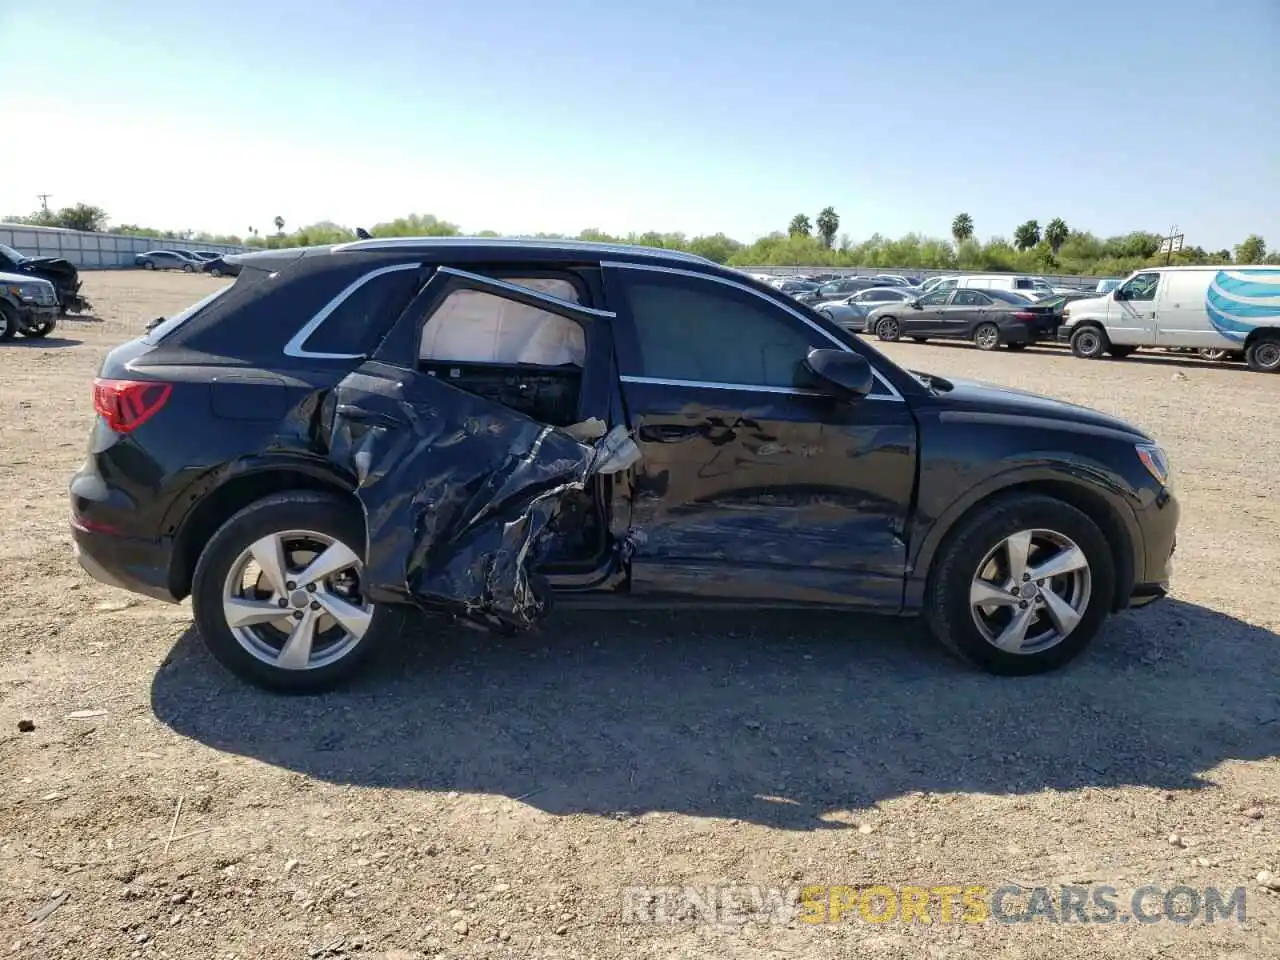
{"type": "Point", "coordinates": [139, 566]}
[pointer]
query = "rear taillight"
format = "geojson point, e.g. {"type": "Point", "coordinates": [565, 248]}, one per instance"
{"type": "Point", "coordinates": [127, 404]}
{"type": "Point", "coordinates": [1025, 315]}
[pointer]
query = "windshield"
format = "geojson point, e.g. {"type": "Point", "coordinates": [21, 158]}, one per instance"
{"type": "Point", "coordinates": [11, 254]}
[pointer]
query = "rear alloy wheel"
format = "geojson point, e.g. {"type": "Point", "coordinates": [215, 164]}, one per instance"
{"type": "Point", "coordinates": [148, 265]}
{"type": "Point", "coordinates": [1263, 355]}
{"type": "Point", "coordinates": [1089, 343]}
{"type": "Point", "coordinates": [986, 336]}
{"type": "Point", "coordinates": [1023, 585]}
{"type": "Point", "coordinates": [188, 268]}
{"type": "Point", "coordinates": [889, 330]}
{"type": "Point", "coordinates": [215, 272]}
{"type": "Point", "coordinates": [278, 594]}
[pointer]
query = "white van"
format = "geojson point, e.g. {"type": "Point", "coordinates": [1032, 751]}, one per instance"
{"type": "Point", "coordinates": [1034, 288]}
{"type": "Point", "coordinates": [1199, 308]}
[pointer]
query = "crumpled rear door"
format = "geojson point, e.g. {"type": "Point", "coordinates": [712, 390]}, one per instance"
{"type": "Point", "coordinates": [457, 489]}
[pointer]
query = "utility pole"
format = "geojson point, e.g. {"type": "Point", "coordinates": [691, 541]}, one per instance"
{"type": "Point", "coordinates": [1171, 244]}
{"type": "Point", "coordinates": [44, 202]}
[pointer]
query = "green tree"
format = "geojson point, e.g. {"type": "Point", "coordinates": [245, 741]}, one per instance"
{"type": "Point", "coordinates": [1056, 234]}
{"type": "Point", "coordinates": [1027, 235]}
{"type": "Point", "coordinates": [1253, 250]}
{"type": "Point", "coordinates": [962, 228]}
{"type": "Point", "coordinates": [1223, 256]}
{"type": "Point", "coordinates": [828, 226]}
{"type": "Point", "coordinates": [800, 226]}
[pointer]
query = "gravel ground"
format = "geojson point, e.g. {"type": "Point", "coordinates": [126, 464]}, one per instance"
{"type": "Point", "coordinates": [488, 797]}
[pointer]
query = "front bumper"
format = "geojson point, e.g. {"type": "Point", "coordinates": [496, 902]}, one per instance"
{"type": "Point", "coordinates": [34, 313]}
{"type": "Point", "coordinates": [1158, 522]}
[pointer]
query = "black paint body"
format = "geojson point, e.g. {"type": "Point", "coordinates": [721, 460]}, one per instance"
{"type": "Point", "coordinates": [742, 495]}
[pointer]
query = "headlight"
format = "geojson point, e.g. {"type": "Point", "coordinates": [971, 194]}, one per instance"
{"type": "Point", "coordinates": [26, 291]}
{"type": "Point", "coordinates": [1153, 458]}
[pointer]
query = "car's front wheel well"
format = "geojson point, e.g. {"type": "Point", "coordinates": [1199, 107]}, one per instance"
{"type": "Point", "coordinates": [223, 502]}
{"type": "Point", "coordinates": [1092, 505]}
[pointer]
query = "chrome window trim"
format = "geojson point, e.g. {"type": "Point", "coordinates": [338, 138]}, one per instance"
{"type": "Point", "coordinates": [893, 396]}
{"type": "Point", "coordinates": [294, 348]}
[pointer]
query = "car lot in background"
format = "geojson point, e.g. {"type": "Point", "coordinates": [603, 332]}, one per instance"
{"type": "Point", "coordinates": [851, 312]}
{"type": "Point", "coordinates": [168, 260]}
{"type": "Point", "coordinates": [987, 318]}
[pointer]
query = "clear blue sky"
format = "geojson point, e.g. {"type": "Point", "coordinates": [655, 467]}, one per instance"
{"type": "Point", "coordinates": [668, 115]}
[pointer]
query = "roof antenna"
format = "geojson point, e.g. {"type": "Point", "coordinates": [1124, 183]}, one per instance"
{"type": "Point", "coordinates": [363, 234]}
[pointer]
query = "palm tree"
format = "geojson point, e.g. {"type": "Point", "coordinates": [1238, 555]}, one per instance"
{"type": "Point", "coordinates": [279, 224]}
{"type": "Point", "coordinates": [800, 226]}
{"type": "Point", "coordinates": [1056, 233]}
{"type": "Point", "coordinates": [1027, 235]}
{"type": "Point", "coordinates": [962, 228]}
{"type": "Point", "coordinates": [828, 226]}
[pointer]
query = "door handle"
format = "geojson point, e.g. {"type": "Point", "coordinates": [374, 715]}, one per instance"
{"type": "Point", "coordinates": [668, 432]}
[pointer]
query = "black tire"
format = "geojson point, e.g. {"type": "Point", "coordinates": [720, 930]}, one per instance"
{"type": "Point", "coordinates": [1089, 343]}
{"type": "Point", "coordinates": [318, 512]}
{"type": "Point", "coordinates": [920, 339]}
{"type": "Point", "coordinates": [1263, 355]}
{"type": "Point", "coordinates": [8, 322]}
{"type": "Point", "coordinates": [986, 336]}
{"type": "Point", "coordinates": [188, 268]}
{"type": "Point", "coordinates": [888, 329]}
{"type": "Point", "coordinates": [1121, 353]}
{"type": "Point", "coordinates": [947, 607]}
{"type": "Point", "coordinates": [39, 329]}
{"type": "Point", "coordinates": [148, 265]}
{"type": "Point", "coordinates": [215, 272]}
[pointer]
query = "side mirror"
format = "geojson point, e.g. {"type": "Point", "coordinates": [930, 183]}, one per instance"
{"type": "Point", "coordinates": [848, 374]}
{"type": "Point", "coordinates": [915, 305]}
{"type": "Point", "coordinates": [1119, 294]}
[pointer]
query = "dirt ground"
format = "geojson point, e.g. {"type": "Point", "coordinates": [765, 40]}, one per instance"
{"type": "Point", "coordinates": [485, 797]}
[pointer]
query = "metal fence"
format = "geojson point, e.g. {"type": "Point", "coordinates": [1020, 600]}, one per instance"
{"type": "Point", "coordinates": [90, 251]}
{"type": "Point", "coordinates": [1055, 279]}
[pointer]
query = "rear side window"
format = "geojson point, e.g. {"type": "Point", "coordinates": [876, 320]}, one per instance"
{"type": "Point", "coordinates": [353, 325]}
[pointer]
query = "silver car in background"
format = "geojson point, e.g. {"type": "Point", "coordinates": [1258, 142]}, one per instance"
{"type": "Point", "coordinates": [851, 312]}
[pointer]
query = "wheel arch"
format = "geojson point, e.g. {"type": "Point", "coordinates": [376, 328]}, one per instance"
{"type": "Point", "coordinates": [1115, 520]}
{"type": "Point", "coordinates": [1261, 333]}
{"type": "Point", "coordinates": [217, 498]}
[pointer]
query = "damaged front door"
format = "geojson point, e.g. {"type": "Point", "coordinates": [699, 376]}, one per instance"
{"type": "Point", "coordinates": [755, 484]}
{"type": "Point", "coordinates": [475, 422]}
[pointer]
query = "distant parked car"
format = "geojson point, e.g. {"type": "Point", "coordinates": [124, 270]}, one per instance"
{"type": "Point", "coordinates": [167, 260]}
{"type": "Point", "coordinates": [988, 318]}
{"type": "Point", "coordinates": [839, 289]}
{"type": "Point", "coordinates": [852, 311]}
{"type": "Point", "coordinates": [220, 268]}
{"type": "Point", "coordinates": [1036, 288]}
{"type": "Point", "coordinates": [796, 287]}
{"type": "Point", "coordinates": [205, 255]}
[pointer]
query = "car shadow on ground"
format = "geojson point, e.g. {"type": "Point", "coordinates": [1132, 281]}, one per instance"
{"type": "Point", "coordinates": [775, 719]}
{"type": "Point", "coordinates": [43, 343]}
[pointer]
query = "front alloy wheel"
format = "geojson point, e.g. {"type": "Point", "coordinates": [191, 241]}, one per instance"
{"type": "Point", "coordinates": [888, 330]}
{"type": "Point", "coordinates": [1030, 591]}
{"type": "Point", "coordinates": [1021, 585]}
